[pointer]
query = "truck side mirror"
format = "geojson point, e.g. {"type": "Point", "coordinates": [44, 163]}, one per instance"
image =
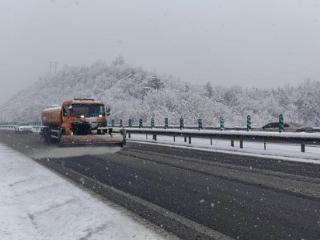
{"type": "Point", "coordinates": [108, 109]}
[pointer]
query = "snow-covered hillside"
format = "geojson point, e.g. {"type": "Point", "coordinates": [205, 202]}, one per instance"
{"type": "Point", "coordinates": [135, 93]}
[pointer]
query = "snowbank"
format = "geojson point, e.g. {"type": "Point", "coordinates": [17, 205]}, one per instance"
{"type": "Point", "coordinates": [37, 204]}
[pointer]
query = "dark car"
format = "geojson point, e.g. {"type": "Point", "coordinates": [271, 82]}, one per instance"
{"type": "Point", "coordinates": [308, 129]}
{"type": "Point", "coordinates": [274, 126]}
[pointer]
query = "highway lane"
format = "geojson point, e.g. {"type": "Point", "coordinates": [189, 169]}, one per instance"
{"type": "Point", "coordinates": [277, 165]}
{"type": "Point", "coordinates": [231, 194]}
{"type": "Point", "coordinates": [237, 209]}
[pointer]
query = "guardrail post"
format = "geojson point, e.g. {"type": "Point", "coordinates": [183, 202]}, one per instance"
{"type": "Point", "coordinates": [129, 134]}
{"type": "Point", "coordinates": [130, 122]}
{"type": "Point", "coordinates": [210, 141]}
{"type": "Point", "coordinates": [185, 139]}
{"type": "Point", "coordinates": [154, 137]}
{"type": "Point", "coordinates": [189, 139]}
{"type": "Point", "coordinates": [140, 123]}
{"type": "Point", "coordinates": [265, 145]}
{"type": "Point", "coordinates": [241, 143]}
{"type": "Point", "coordinates": [248, 123]}
{"type": "Point", "coordinates": [303, 147]}
{"type": "Point", "coordinates": [166, 123]}
{"type": "Point", "coordinates": [152, 122]}
{"type": "Point", "coordinates": [181, 123]}
{"type": "Point", "coordinates": [199, 123]}
{"type": "Point", "coordinates": [281, 123]}
{"type": "Point", "coordinates": [174, 138]}
{"type": "Point", "coordinates": [232, 143]}
{"type": "Point", "coordinates": [221, 123]}
{"type": "Point", "coordinates": [120, 123]}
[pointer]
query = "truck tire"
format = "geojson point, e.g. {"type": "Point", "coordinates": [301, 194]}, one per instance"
{"type": "Point", "coordinates": [61, 133]}
{"type": "Point", "coordinates": [46, 135]}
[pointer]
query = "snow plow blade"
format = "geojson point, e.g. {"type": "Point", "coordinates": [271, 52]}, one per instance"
{"type": "Point", "coordinates": [114, 139]}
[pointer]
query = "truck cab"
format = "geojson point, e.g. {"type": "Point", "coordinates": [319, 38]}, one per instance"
{"type": "Point", "coordinates": [81, 116]}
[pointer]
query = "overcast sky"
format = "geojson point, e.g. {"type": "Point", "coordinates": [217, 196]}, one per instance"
{"type": "Point", "coordinates": [227, 42]}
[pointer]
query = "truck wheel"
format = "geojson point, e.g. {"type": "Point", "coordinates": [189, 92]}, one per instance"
{"type": "Point", "coordinates": [123, 143]}
{"type": "Point", "coordinates": [46, 135]}
{"type": "Point", "coordinates": [61, 133]}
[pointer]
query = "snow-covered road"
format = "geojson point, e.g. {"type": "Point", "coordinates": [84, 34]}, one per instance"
{"type": "Point", "coordinates": [37, 204]}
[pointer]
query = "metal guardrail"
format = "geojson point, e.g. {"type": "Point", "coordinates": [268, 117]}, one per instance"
{"type": "Point", "coordinates": [302, 139]}
{"type": "Point", "coordinates": [177, 127]}
{"type": "Point", "coordinates": [232, 134]}
{"type": "Point", "coordinates": [22, 128]}
{"type": "Point", "coordinates": [8, 127]}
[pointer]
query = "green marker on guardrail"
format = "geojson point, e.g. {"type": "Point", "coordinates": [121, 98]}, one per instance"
{"type": "Point", "coordinates": [120, 123]}
{"type": "Point", "coordinates": [166, 123]}
{"type": "Point", "coordinates": [152, 122]}
{"type": "Point", "coordinates": [199, 123]}
{"type": "Point", "coordinates": [112, 123]}
{"type": "Point", "coordinates": [249, 123]}
{"type": "Point", "coordinates": [181, 123]}
{"type": "Point", "coordinates": [140, 123]}
{"type": "Point", "coordinates": [281, 123]}
{"type": "Point", "coordinates": [221, 123]}
{"type": "Point", "coordinates": [130, 122]}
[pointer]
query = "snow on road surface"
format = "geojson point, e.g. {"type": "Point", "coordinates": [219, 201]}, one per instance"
{"type": "Point", "coordinates": [284, 151]}
{"type": "Point", "coordinates": [37, 204]}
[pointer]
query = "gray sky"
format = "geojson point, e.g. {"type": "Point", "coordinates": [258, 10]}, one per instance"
{"type": "Point", "coordinates": [227, 42]}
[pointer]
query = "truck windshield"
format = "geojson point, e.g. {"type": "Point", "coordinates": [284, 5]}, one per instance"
{"type": "Point", "coordinates": [88, 110]}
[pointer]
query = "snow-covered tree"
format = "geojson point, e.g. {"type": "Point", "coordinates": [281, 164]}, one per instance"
{"type": "Point", "coordinates": [135, 93]}
{"type": "Point", "coordinates": [208, 90]}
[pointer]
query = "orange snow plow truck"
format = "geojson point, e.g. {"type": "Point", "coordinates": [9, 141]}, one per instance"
{"type": "Point", "coordinates": [80, 121]}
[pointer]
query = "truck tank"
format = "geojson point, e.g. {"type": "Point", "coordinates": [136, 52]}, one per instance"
{"type": "Point", "coordinates": [52, 117]}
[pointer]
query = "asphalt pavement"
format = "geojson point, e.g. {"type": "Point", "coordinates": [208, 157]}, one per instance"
{"type": "Point", "coordinates": [239, 196]}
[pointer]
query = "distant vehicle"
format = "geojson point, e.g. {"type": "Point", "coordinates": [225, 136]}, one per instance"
{"type": "Point", "coordinates": [274, 126]}
{"type": "Point", "coordinates": [24, 129]}
{"type": "Point", "coordinates": [308, 129]}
